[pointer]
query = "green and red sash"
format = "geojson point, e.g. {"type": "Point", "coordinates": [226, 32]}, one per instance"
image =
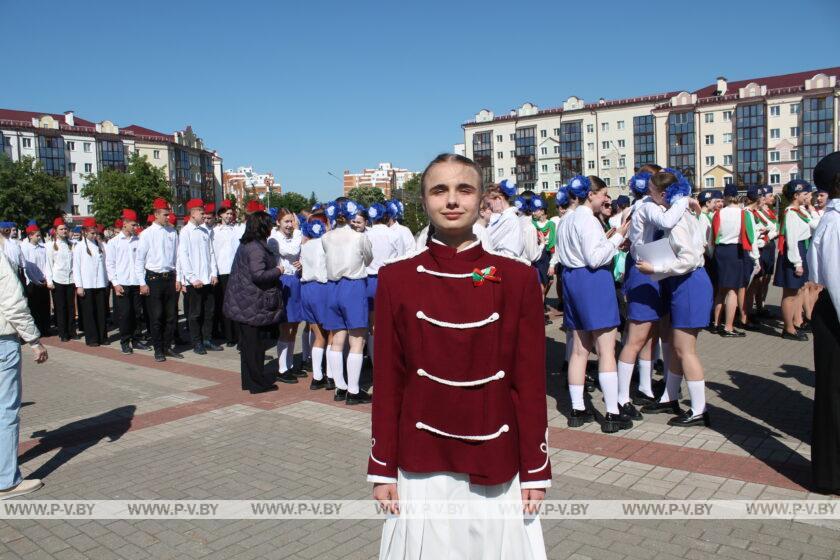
{"type": "Point", "coordinates": [783, 229]}
{"type": "Point", "coordinates": [747, 236]}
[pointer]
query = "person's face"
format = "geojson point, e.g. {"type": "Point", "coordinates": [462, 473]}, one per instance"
{"type": "Point", "coordinates": [162, 217]}
{"type": "Point", "coordinates": [657, 196]}
{"type": "Point", "coordinates": [496, 203]}
{"type": "Point", "coordinates": [61, 231]}
{"type": "Point", "coordinates": [485, 212]}
{"type": "Point", "coordinates": [539, 214]}
{"type": "Point", "coordinates": [358, 223]}
{"type": "Point", "coordinates": [197, 215]}
{"type": "Point", "coordinates": [90, 234]}
{"type": "Point", "coordinates": [227, 216]}
{"type": "Point", "coordinates": [606, 208]}
{"type": "Point", "coordinates": [769, 199]}
{"type": "Point", "coordinates": [452, 197]}
{"type": "Point", "coordinates": [13, 233]}
{"type": "Point", "coordinates": [287, 224]}
{"type": "Point", "coordinates": [35, 237]}
{"type": "Point", "coordinates": [597, 199]}
{"type": "Point", "coordinates": [718, 204]}
{"type": "Point", "coordinates": [822, 199]}
{"type": "Point", "coordinates": [128, 227]}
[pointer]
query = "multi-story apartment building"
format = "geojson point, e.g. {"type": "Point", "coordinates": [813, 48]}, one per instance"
{"type": "Point", "coordinates": [760, 130]}
{"type": "Point", "coordinates": [385, 177]}
{"type": "Point", "coordinates": [74, 148]}
{"type": "Point", "coordinates": [245, 181]}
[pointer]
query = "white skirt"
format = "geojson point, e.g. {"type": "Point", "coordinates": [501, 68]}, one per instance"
{"type": "Point", "coordinates": [460, 539]}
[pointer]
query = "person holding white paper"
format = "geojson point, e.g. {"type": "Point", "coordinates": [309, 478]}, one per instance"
{"type": "Point", "coordinates": [687, 293]}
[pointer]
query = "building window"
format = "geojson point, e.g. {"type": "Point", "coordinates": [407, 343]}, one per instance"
{"type": "Point", "coordinates": [513, 153]}
{"type": "Point", "coordinates": [526, 156]}
{"type": "Point", "coordinates": [622, 163]}
{"type": "Point", "coordinates": [482, 144]}
{"type": "Point", "coordinates": [51, 155]}
{"type": "Point", "coordinates": [775, 133]}
{"type": "Point", "coordinates": [88, 168]}
{"type": "Point", "coordinates": [558, 184]}
{"type": "Point", "coordinates": [590, 164]}
{"type": "Point", "coordinates": [156, 154]}
{"type": "Point", "coordinates": [619, 125]}
{"type": "Point", "coordinates": [751, 146]}
{"type": "Point", "coordinates": [622, 180]}
{"type": "Point", "coordinates": [727, 137]}
{"type": "Point", "coordinates": [710, 182]}
{"type": "Point", "coordinates": [605, 163]}
{"type": "Point", "coordinates": [727, 180]}
{"type": "Point", "coordinates": [72, 167]}
{"type": "Point", "coordinates": [775, 178]}
{"type": "Point", "coordinates": [500, 171]}
{"type": "Point", "coordinates": [794, 132]}
{"type": "Point", "coordinates": [590, 145]}
{"type": "Point", "coordinates": [710, 139]}
{"type": "Point", "coordinates": [607, 181]}
{"type": "Point", "coordinates": [605, 127]}
{"type": "Point", "coordinates": [727, 159]}
{"type": "Point", "coordinates": [543, 151]}
{"type": "Point", "coordinates": [75, 188]}
{"type": "Point", "coordinates": [775, 110]}
{"type": "Point", "coordinates": [681, 144]}
{"type": "Point", "coordinates": [794, 155]}
{"type": "Point", "coordinates": [709, 117]}
{"type": "Point", "coordinates": [556, 132]}
{"type": "Point", "coordinates": [557, 149]}
{"type": "Point", "coordinates": [27, 142]}
{"type": "Point", "coordinates": [590, 128]}
{"type": "Point", "coordinates": [727, 116]}
{"type": "Point", "coordinates": [605, 145]}
{"type": "Point", "coordinates": [710, 161]}
{"type": "Point", "coordinates": [111, 154]}
{"type": "Point", "coordinates": [498, 138]}
{"type": "Point", "coordinates": [621, 143]}
{"type": "Point", "coordinates": [74, 210]}
{"type": "Point", "coordinates": [71, 146]}
{"type": "Point", "coordinates": [544, 168]}
{"type": "Point", "coordinates": [571, 150]}
{"type": "Point", "coordinates": [794, 108]}
{"type": "Point", "coordinates": [543, 133]}
{"type": "Point", "coordinates": [500, 155]}
{"type": "Point", "coordinates": [794, 175]}
{"type": "Point", "coordinates": [643, 141]}
{"type": "Point", "coordinates": [86, 147]}
{"type": "Point", "coordinates": [545, 185]}
{"type": "Point", "coordinates": [774, 156]}
{"type": "Point", "coordinates": [818, 131]}
{"type": "Point", "coordinates": [556, 167]}
{"type": "Point", "coordinates": [513, 171]}
{"type": "Point", "coordinates": [513, 136]}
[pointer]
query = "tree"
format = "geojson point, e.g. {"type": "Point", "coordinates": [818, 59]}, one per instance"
{"type": "Point", "coordinates": [313, 200]}
{"type": "Point", "coordinates": [290, 200]}
{"type": "Point", "coordinates": [366, 195]}
{"type": "Point", "coordinates": [27, 193]}
{"type": "Point", "coordinates": [111, 191]}
{"type": "Point", "coordinates": [415, 217]}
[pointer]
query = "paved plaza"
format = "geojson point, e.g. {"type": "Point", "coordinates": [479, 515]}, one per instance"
{"type": "Point", "coordinates": [100, 425]}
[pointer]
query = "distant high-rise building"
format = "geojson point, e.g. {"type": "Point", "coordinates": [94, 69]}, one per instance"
{"type": "Point", "coordinates": [384, 177]}
{"type": "Point", "coordinates": [245, 181]}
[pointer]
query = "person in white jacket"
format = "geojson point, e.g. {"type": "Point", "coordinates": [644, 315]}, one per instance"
{"type": "Point", "coordinates": [91, 280]}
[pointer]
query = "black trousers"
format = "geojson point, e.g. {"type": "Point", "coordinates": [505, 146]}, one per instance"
{"type": "Point", "coordinates": [38, 298]}
{"type": "Point", "coordinates": [64, 303]}
{"type": "Point", "coordinates": [224, 327]}
{"type": "Point", "coordinates": [825, 439]}
{"type": "Point", "coordinates": [93, 311]}
{"type": "Point", "coordinates": [129, 308]}
{"type": "Point", "coordinates": [200, 314]}
{"type": "Point", "coordinates": [162, 303]}
{"type": "Point", "coordinates": [252, 344]}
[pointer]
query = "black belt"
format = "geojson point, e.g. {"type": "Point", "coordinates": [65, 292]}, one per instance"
{"type": "Point", "coordinates": [151, 275]}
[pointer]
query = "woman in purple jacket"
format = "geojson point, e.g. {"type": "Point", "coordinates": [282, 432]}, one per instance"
{"type": "Point", "coordinates": [252, 299]}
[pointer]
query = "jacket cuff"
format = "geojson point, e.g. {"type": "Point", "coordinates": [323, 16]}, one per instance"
{"type": "Point", "coordinates": [535, 484]}
{"type": "Point", "coordinates": [376, 479]}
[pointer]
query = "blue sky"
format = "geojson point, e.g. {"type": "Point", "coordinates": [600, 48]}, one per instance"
{"type": "Point", "coordinates": [303, 88]}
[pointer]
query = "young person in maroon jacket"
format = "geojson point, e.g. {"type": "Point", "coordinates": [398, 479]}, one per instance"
{"type": "Point", "coordinates": [459, 411]}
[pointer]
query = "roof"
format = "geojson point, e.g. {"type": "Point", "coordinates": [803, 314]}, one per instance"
{"type": "Point", "coordinates": [27, 116]}
{"type": "Point", "coordinates": [772, 82]}
{"type": "Point", "coordinates": [143, 131]}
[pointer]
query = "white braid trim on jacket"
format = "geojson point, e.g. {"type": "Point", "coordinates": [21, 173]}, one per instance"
{"type": "Point", "coordinates": [493, 317]}
{"type": "Point", "coordinates": [497, 433]}
{"type": "Point", "coordinates": [498, 375]}
{"type": "Point", "coordinates": [421, 268]}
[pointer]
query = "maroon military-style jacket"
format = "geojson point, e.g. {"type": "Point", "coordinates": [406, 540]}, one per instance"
{"type": "Point", "coordinates": [459, 368]}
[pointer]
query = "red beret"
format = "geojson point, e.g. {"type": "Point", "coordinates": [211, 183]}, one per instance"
{"type": "Point", "coordinates": [194, 203]}
{"type": "Point", "coordinates": [254, 206]}
{"type": "Point", "coordinates": [58, 221]}
{"type": "Point", "coordinates": [31, 227]}
{"type": "Point", "coordinates": [118, 223]}
{"type": "Point", "coordinates": [138, 228]}
{"type": "Point", "coordinates": [173, 219]}
{"type": "Point", "coordinates": [129, 214]}
{"type": "Point", "coordinates": [150, 218]}
{"type": "Point", "coordinates": [160, 204]}
{"type": "Point", "coordinates": [89, 223]}
{"type": "Point", "coordinates": [209, 207]}
{"type": "Point", "coordinates": [100, 228]}
{"type": "Point", "coordinates": [226, 203]}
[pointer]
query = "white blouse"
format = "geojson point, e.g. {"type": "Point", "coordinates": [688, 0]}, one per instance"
{"type": "Point", "coordinates": [796, 230]}
{"type": "Point", "coordinates": [505, 234]}
{"type": "Point", "coordinates": [59, 263]}
{"type": "Point", "coordinates": [581, 241]}
{"type": "Point", "coordinates": [687, 241]}
{"type": "Point", "coordinates": [89, 269]}
{"type": "Point", "coordinates": [648, 217]}
{"type": "Point", "coordinates": [348, 253]}
{"type": "Point", "coordinates": [313, 261]}
{"type": "Point", "coordinates": [35, 262]}
{"type": "Point", "coordinates": [287, 249]}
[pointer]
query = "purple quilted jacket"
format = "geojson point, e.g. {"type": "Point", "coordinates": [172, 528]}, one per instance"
{"type": "Point", "coordinates": [253, 291]}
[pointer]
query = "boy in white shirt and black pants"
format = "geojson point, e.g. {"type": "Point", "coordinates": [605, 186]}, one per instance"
{"type": "Point", "coordinates": [119, 262]}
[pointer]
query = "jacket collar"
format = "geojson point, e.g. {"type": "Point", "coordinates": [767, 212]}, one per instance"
{"type": "Point", "coordinates": [440, 251]}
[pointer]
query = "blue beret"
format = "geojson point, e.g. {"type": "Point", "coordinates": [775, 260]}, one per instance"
{"type": "Point", "coordinates": [562, 196]}
{"type": "Point", "coordinates": [754, 191]}
{"type": "Point", "coordinates": [623, 200]}
{"type": "Point", "coordinates": [704, 197]}
{"type": "Point", "coordinates": [797, 186]}
{"type": "Point", "coordinates": [639, 183]}
{"type": "Point", "coordinates": [508, 187]}
{"type": "Point", "coordinates": [730, 190]}
{"type": "Point", "coordinates": [519, 203]}
{"type": "Point", "coordinates": [579, 186]}
{"type": "Point", "coordinates": [717, 194]}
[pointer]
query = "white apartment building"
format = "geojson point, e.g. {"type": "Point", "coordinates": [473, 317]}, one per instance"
{"type": "Point", "coordinates": [384, 176]}
{"type": "Point", "coordinates": [753, 131]}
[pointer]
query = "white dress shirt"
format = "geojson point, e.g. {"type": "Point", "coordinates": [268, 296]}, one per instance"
{"type": "Point", "coordinates": [532, 248]}
{"type": "Point", "coordinates": [287, 249]}
{"type": "Point", "coordinates": [11, 247]}
{"type": "Point", "coordinates": [225, 243]}
{"type": "Point", "coordinates": [405, 236]}
{"type": "Point", "coordinates": [383, 245]}
{"type": "Point", "coordinates": [196, 257]}
{"type": "Point", "coordinates": [479, 230]}
{"type": "Point", "coordinates": [729, 230]}
{"type": "Point", "coordinates": [35, 262]}
{"type": "Point", "coordinates": [313, 261]}
{"type": "Point", "coordinates": [505, 233]}
{"type": "Point", "coordinates": [89, 269]}
{"type": "Point", "coordinates": [555, 256]}
{"type": "Point", "coordinates": [59, 262]}
{"type": "Point", "coordinates": [120, 255]}
{"type": "Point", "coordinates": [581, 241]}
{"type": "Point", "coordinates": [348, 253]}
{"type": "Point", "coordinates": [648, 217]}
{"type": "Point", "coordinates": [157, 251]}
{"type": "Point", "coordinates": [823, 261]}
{"type": "Point", "coordinates": [687, 241]}
{"type": "Point", "coordinates": [796, 230]}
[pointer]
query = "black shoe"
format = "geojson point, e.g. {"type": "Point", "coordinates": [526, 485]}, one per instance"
{"type": "Point", "coordinates": [688, 418]}
{"type": "Point", "coordinates": [199, 349]}
{"type": "Point", "coordinates": [800, 336]}
{"type": "Point", "coordinates": [763, 312]}
{"type": "Point", "coordinates": [615, 422]}
{"type": "Point", "coordinates": [94, 344]}
{"type": "Point", "coordinates": [641, 399]}
{"type": "Point", "coordinates": [230, 344]}
{"type": "Point", "coordinates": [731, 334]}
{"type": "Point", "coordinates": [125, 347]}
{"type": "Point", "coordinates": [578, 418]}
{"type": "Point", "coordinates": [330, 384]}
{"type": "Point", "coordinates": [315, 385]}
{"type": "Point", "coordinates": [173, 354]}
{"type": "Point", "coordinates": [212, 346]}
{"type": "Point", "coordinates": [714, 329]}
{"type": "Point", "coordinates": [358, 398]}
{"type": "Point", "coordinates": [287, 377]}
{"type": "Point", "coordinates": [804, 327]}
{"type": "Point", "coordinates": [64, 338]}
{"type": "Point", "coordinates": [140, 345]}
{"type": "Point", "coordinates": [299, 372]}
{"type": "Point", "coordinates": [340, 395]}
{"type": "Point", "coordinates": [659, 365]}
{"type": "Point", "coordinates": [159, 356]}
{"type": "Point", "coordinates": [630, 411]}
{"type": "Point", "coordinates": [670, 407]}
{"type": "Point", "coordinates": [264, 390]}
{"type": "Point", "coordinates": [749, 326]}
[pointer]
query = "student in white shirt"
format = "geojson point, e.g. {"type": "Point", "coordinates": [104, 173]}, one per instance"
{"type": "Point", "coordinates": [285, 243]}
{"type": "Point", "coordinates": [589, 303]}
{"type": "Point", "coordinates": [504, 229]}
{"type": "Point", "coordinates": [314, 295]}
{"type": "Point", "coordinates": [59, 276]}
{"type": "Point", "coordinates": [226, 237]}
{"type": "Point", "coordinates": [687, 294]}
{"type": "Point", "coordinates": [383, 249]}
{"type": "Point", "coordinates": [91, 280]}
{"type": "Point", "coordinates": [35, 267]}
{"type": "Point", "coordinates": [120, 254]}
{"type": "Point", "coordinates": [348, 254]}
{"type": "Point", "coordinates": [396, 211]}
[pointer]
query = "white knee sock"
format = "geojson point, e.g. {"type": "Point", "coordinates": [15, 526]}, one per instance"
{"type": "Point", "coordinates": [354, 372]}
{"type": "Point", "coordinates": [672, 387]}
{"type": "Point", "coordinates": [335, 359]}
{"type": "Point", "coordinates": [697, 392]}
{"type": "Point", "coordinates": [576, 393]}
{"type": "Point", "coordinates": [282, 353]}
{"type": "Point", "coordinates": [328, 362]}
{"type": "Point", "coordinates": [306, 343]}
{"type": "Point", "coordinates": [317, 359]}
{"type": "Point", "coordinates": [609, 386]}
{"type": "Point", "coordinates": [290, 355]}
{"type": "Point", "coordinates": [625, 374]}
{"type": "Point", "coordinates": [645, 367]}
{"type": "Point", "coordinates": [370, 347]}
